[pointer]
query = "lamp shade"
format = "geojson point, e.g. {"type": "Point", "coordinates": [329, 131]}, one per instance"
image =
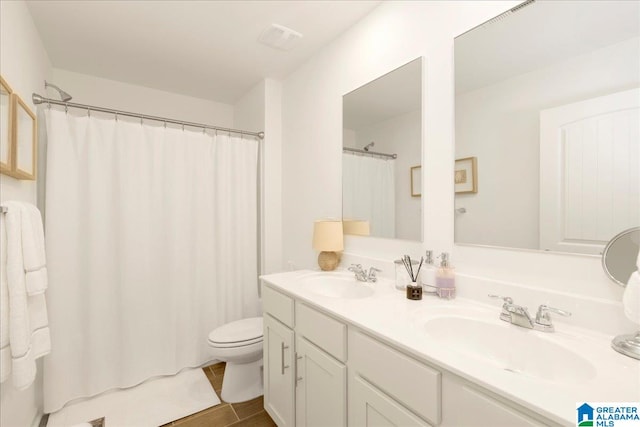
{"type": "Point", "coordinates": [356, 227]}
{"type": "Point", "coordinates": [327, 236]}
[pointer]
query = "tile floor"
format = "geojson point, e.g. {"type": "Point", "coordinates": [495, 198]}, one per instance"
{"type": "Point", "coordinates": [245, 414]}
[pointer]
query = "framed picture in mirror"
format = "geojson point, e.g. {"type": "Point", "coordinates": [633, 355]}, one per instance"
{"type": "Point", "coordinates": [24, 140]}
{"type": "Point", "coordinates": [5, 127]}
{"type": "Point", "coordinates": [416, 181]}
{"type": "Point", "coordinates": [466, 175]}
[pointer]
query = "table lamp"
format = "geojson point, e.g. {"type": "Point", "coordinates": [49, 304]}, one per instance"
{"type": "Point", "coordinates": [327, 238]}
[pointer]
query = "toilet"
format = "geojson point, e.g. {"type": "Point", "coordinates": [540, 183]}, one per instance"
{"type": "Point", "coordinates": [239, 344]}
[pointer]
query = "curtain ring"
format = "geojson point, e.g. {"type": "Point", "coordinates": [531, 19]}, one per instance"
{"type": "Point", "coordinates": [66, 109]}
{"type": "Point", "coordinates": [116, 116]}
{"type": "Point", "coordinates": [49, 104]}
{"type": "Point", "coordinates": [141, 117]}
{"type": "Point", "coordinates": [204, 131]}
{"type": "Point", "coordinates": [183, 127]}
{"type": "Point", "coordinates": [88, 112]}
{"type": "Point", "coordinates": [165, 125]}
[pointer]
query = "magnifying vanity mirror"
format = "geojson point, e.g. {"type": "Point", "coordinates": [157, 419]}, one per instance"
{"type": "Point", "coordinates": [548, 102]}
{"type": "Point", "coordinates": [382, 153]}
{"type": "Point", "coordinates": [620, 260]}
{"type": "Point", "coordinates": [620, 256]}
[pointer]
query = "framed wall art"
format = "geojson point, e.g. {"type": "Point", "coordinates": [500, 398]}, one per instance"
{"type": "Point", "coordinates": [416, 181]}
{"type": "Point", "coordinates": [5, 127]}
{"type": "Point", "coordinates": [466, 175]}
{"type": "Point", "coordinates": [24, 147]}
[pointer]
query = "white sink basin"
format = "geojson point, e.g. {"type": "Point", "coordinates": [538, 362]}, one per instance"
{"type": "Point", "coordinates": [514, 349]}
{"type": "Point", "coordinates": [336, 285]}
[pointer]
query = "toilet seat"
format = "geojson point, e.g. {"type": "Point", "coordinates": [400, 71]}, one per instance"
{"type": "Point", "coordinates": [240, 333]}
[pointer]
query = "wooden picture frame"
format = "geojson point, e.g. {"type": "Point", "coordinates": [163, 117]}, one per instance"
{"type": "Point", "coordinates": [6, 132]}
{"type": "Point", "coordinates": [24, 142]}
{"type": "Point", "coordinates": [416, 181]}
{"type": "Point", "coordinates": [466, 175]}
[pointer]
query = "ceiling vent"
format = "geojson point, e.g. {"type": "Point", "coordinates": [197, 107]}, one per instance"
{"type": "Point", "coordinates": [279, 37]}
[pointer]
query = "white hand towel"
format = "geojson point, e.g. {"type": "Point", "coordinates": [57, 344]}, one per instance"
{"type": "Point", "coordinates": [28, 325]}
{"type": "Point", "coordinates": [37, 281]}
{"type": "Point", "coordinates": [5, 350]}
{"type": "Point", "coordinates": [32, 238]}
{"type": "Point", "coordinates": [631, 298]}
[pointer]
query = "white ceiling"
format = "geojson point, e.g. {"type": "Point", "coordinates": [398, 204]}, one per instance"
{"type": "Point", "coordinates": [205, 49]}
{"type": "Point", "coordinates": [391, 95]}
{"type": "Point", "coordinates": [505, 47]}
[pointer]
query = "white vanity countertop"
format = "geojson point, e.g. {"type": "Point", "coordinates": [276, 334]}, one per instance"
{"type": "Point", "coordinates": [390, 316]}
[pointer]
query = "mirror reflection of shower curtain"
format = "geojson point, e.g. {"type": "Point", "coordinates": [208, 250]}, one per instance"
{"type": "Point", "coordinates": [368, 187]}
{"type": "Point", "coordinates": [151, 243]}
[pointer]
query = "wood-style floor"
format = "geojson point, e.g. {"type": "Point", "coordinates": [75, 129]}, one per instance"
{"type": "Point", "coordinates": [245, 414]}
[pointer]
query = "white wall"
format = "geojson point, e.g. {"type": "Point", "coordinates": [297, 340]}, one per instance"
{"type": "Point", "coordinates": [259, 110]}
{"type": "Point", "coordinates": [24, 64]}
{"type": "Point", "coordinates": [249, 110]}
{"type": "Point", "coordinates": [390, 36]}
{"type": "Point", "coordinates": [499, 124]}
{"type": "Point", "coordinates": [400, 135]}
{"type": "Point", "coordinates": [101, 92]}
{"type": "Point", "coordinates": [272, 208]}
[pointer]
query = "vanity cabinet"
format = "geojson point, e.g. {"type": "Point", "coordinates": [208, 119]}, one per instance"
{"type": "Point", "coordinates": [319, 371]}
{"type": "Point", "coordinates": [305, 378]}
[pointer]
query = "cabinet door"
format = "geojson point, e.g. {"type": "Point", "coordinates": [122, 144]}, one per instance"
{"type": "Point", "coordinates": [321, 389]}
{"type": "Point", "coordinates": [369, 407]}
{"type": "Point", "coordinates": [278, 372]}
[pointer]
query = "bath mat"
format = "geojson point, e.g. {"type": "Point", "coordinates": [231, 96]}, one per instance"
{"type": "Point", "coordinates": [152, 403]}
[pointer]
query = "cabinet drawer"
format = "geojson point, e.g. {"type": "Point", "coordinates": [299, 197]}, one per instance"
{"type": "Point", "coordinates": [325, 332]}
{"type": "Point", "coordinates": [403, 378]}
{"type": "Point", "coordinates": [466, 404]}
{"type": "Point", "coordinates": [278, 305]}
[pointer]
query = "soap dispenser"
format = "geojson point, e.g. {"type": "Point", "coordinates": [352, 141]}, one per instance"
{"type": "Point", "coordinates": [445, 278]}
{"type": "Point", "coordinates": [428, 276]}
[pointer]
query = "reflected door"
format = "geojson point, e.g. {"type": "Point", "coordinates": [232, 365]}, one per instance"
{"type": "Point", "coordinates": [589, 172]}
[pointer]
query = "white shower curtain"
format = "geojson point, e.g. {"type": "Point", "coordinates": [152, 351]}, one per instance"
{"type": "Point", "coordinates": [151, 239]}
{"type": "Point", "coordinates": [368, 187]}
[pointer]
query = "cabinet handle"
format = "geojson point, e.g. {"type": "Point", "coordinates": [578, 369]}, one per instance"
{"type": "Point", "coordinates": [298, 379]}
{"type": "Point", "coordinates": [282, 365]}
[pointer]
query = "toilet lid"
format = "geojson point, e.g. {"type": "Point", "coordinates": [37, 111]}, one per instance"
{"type": "Point", "coordinates": [240, 332]}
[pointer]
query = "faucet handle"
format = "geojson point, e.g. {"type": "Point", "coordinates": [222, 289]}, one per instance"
{"type": "Point", "coordinates": [505, 314]}
{"type": "Point", "coordinates": [507, 300]}
{"type": "Point", "coordinates": [543, 318]}
{"type": "Point", "coordinates": [355, 267]}
{"type": "Point", "coordinates": [372, 274]}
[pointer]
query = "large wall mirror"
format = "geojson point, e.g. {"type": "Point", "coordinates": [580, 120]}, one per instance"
{"type": "Point", "coordinates": [547, 101]}
{"type": "Point", "coordinates": [382, 155]}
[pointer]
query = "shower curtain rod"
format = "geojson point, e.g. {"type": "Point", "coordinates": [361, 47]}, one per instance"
{"type": "Point", "coordinates": [372, 153]}
{"type": "Point", "coordinates": [38, 99]}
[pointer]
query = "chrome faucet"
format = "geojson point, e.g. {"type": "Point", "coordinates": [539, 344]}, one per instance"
{"type": "Point", "coordinates": [519, 315]}
{"type": "Point", "coordinates": [543, 320]}
{"type": "Point", "coordinates": [362, 275]}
